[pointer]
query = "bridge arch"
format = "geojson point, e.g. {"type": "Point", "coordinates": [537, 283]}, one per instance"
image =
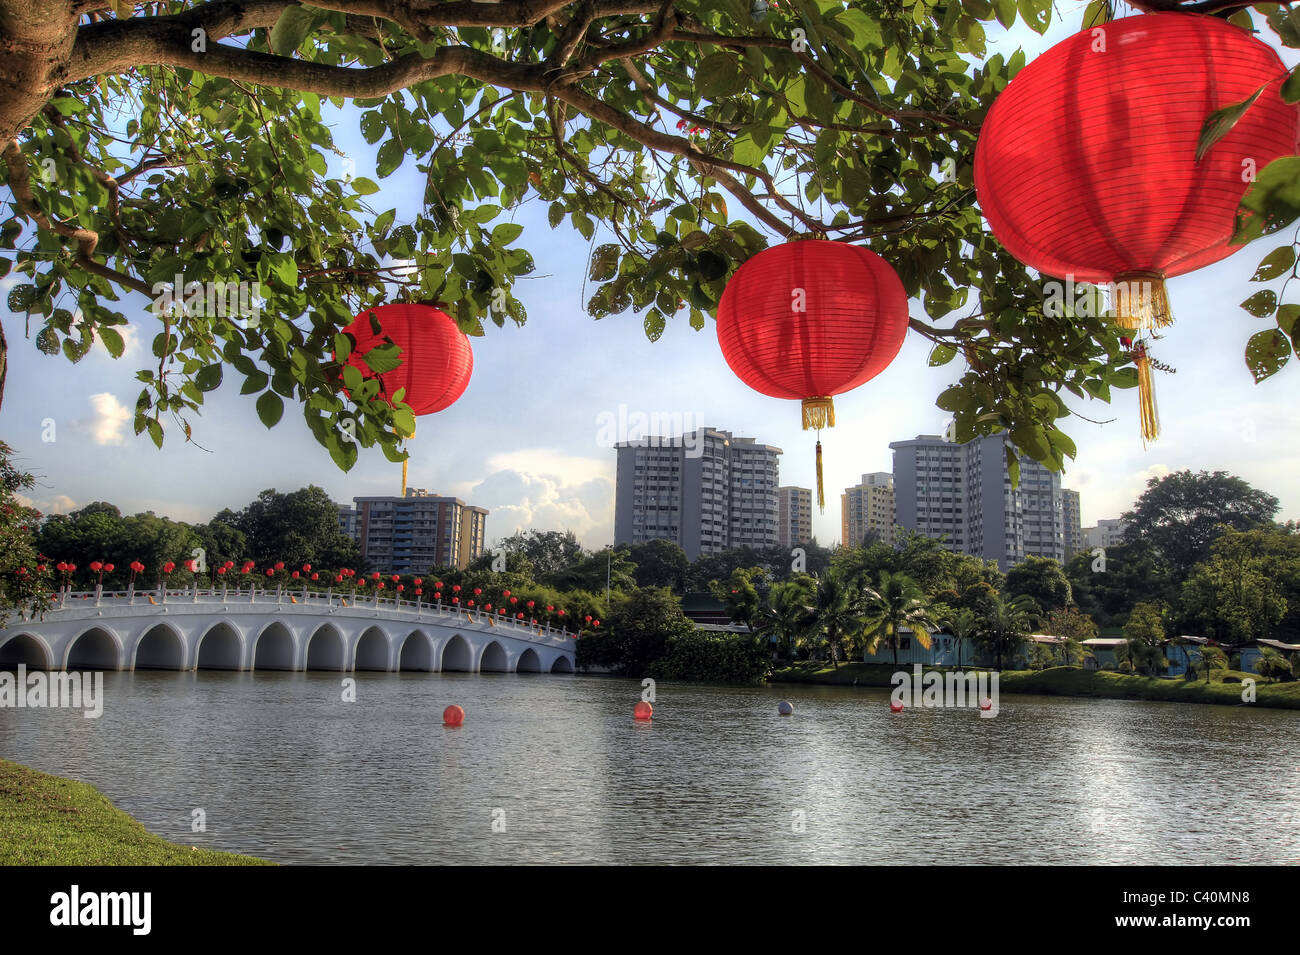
{"type": "Point", "coordinates": [529, 662]}
{"type": "Point", "coordinates": [27, 649]}
{"type": "Point", "coordinates": [275, 648]}
{"type": "Point", "coordinates": [456, 655]}
{"type": "Point", "coordinates": [562, 664]}
{"type": "Point", "coordinates": [373, 649]}
{"type": "Point", "coordinates": [220, 648]}
{"type": "Point", "coordinates": [493, 659]}
{"type": "Point", "coordinates": [160, 647]}
{"type": "Point", "coordinates": [96, 648]}
{"type": "Point", "coordinates": [324, 653]}
{"type": "Point", "coordinates": [417, 652]}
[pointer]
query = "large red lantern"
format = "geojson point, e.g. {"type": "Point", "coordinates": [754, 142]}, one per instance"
{"type": "Point", "coordinates": [1087, 166]}
{"type": "Point", "coordinates": [811, 319]}
{"type": "Point", "coordinates": [436, 357]}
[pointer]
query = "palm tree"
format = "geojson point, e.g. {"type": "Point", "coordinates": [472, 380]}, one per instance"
{"type": "Point", "coordinates": [961, 625]}
{"type": "Point", "coordinates": [1212, 657]}
{"type": "Point", "coordinates": [832, 614]}
{"type": "Point", "coordinates": [1007, 624]}
{"type": "Point", "coordinates": [898, 603]}
{"type": "Point", "coordinates": [784, 614]}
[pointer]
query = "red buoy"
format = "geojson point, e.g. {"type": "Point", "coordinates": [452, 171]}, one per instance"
{"type": "Point", "coordinates": [896, 706]}
{"type": "Point", "coordinates": [453, 716]}
{"type": "Point", "coordinates": [642, 710]}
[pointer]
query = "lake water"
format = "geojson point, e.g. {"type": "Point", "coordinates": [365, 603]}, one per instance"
{"type": "Point", "coordinates": [286, 770]}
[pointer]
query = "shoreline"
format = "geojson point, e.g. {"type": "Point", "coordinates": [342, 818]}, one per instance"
{"type": "Point", "coordinates": [1062, 681]}
{"type": "Point", "coordinates": [54, 820]}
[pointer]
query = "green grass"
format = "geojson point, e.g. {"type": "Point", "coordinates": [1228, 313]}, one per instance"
{"type": "Point", "coordinates": [1065, 681]}
{"type": "Point", "coordinates": [49, 820]}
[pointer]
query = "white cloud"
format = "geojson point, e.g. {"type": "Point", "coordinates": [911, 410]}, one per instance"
{"type": "Point", "coordinates": [58, 504]}
{"type": "Point", "coordinates": [566, 468]}
{"type": "Point", "coordinates": [107, 424]}
{"type": "Point", "coordinates": [522, 501]}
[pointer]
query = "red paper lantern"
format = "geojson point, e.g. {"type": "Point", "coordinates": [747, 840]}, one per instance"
{"type": "Point", "coordinates": [108, 568]}
{"type": "Point", "coordinates": [167, 567]}
{"type": "Point", "coordinates": [270, 571]}
{"type": "Point", "coordinates": [455, 600]}
{"type": "Point", "coordinates": [437, 595]}
{"type": "Point", "coordinates": [96, 566]}
{"type": "Point", "coordinates": [395, 578]}
{"type": "Point", "coordinates": [1086, 166]}
{"type": "Point", "coordinates": [487, 606]}
{"type": "Point", "coordinates": [812, 319]}
{"type": "Point", "coordinates": [315, 576]}
{"type": "Point", "coordinates": [455, 588]}
{"type": "Point", "coordinates": [439, 585]}
{"type": "Point", "coordinates": [295, 575]}
{"type": "Point", "coordinates": [477, 591]}
{"type": "Point", "coordinates": [436, 357]}
{"type": "Point", "coordinates": [505, 593]}
{"type": "Point", "coordinates": [221, 571]}
{"type": "Point", "coordinates": [550, 608]}
{"type": "Point", "coordinates": [279, 565]}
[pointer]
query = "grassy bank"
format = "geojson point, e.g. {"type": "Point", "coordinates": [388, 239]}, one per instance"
{"type": "Point", "coordinates": [49, 820]}
{"type": "Point", "coordinates": [1064, 681]}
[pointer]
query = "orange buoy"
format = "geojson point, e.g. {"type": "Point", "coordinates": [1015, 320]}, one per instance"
{"type": "Point", "coordinates": [453, 716]}
{"type": "Point", "coordinates": [643, 710]}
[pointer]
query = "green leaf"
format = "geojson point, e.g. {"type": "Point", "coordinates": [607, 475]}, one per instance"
{"type": "Point", "coordinates": [1262, 304]}
{"type": "Point", "coordinates": [1006, 11]}
{"type": "Point", "coordinates": [506, 233]}
{"type": "Point", "coordinates": [654, 324]}
{"type": "Point", "coordinates": [1291, 88]}
{"type": "Point", "coordinates": [255, 382]}
{"type": "Point", "coordinates": [1286, 320]}
{"type": "Point", "coordinates": [1273, 202]}
{"type": "Point", "coordinates": [941, 355]}
{"type": "Point", "coordinates": [270, 408]}
{"type": "Point", "coordinates": [363, 186]}
{"type": "Point", "coordinates": [112, 340]}
{"type": "Point", "coordinates": [382, 358]}
{"type": "Point", "coordinates": [604, 263]}
{"type": "Point", "coordinates": [342, 451]}
{"type": "Point", "coordinates": [718, 76]}
{"type": "Point", "coordinates": [1096, 13]}
{"type": "Point", "coordinates": [1219, 123]}
{"type": "Point", "coordinates": [1277, 262]}
{"type": "Point", "coordinates": [209, 377]}
{"type": "Point", "coordinates": [1266, 353]}
{"type": "Point", "coordinates": [292, 28]}
{"type": "Point", "coordinates": [342, 347]}
{"type": "Point", "coordinates": [1037, 13]}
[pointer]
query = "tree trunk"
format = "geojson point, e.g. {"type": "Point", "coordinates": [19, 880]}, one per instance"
{"type": "Point", "coordinates": [36, 39]}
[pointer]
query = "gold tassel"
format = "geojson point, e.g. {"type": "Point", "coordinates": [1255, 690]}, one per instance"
{"type": "Point", "coordinates": [404, 464]}
{"type": "Point", "coordinates": [818, 413]}
{"type": "Point", "coordinates": [1140, 301]}
{"type": "Point", "coordinates": [821, 496]}
{"type": "Point", "coordinates": [1146, 398]}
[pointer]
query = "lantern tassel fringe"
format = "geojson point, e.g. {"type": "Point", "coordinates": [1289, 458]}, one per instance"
{"type": "Point", "coordinates": [818, 413]}
{"type": "Point", "coordinates": [404, 464]}
{"type": "Point", "coordinates": [821, 495]}
{"type": "Point", "coordinates": [1140, 301]}
{"type": "Point", "coordinates": [1147, 400]}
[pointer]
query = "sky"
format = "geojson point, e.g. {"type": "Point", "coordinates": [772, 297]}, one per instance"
{"type": "Point", "coordinates": [525, 440]}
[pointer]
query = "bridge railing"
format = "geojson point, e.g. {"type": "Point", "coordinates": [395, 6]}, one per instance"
{"type": "Point", "coordinates": [415, 610]}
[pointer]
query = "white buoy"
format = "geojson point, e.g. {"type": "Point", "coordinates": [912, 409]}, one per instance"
{"type": "Point", "coordinates": [785, 709]}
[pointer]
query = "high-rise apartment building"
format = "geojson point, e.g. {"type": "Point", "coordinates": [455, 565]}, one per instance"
{"type": "Point", "coordinates": [418, 533]}
{"type": "Point", "coordinates": [706, 490]}
{"type": "Point", "coordinates": [868, 508]}
{"type": "Point", "coordinates": [794, 516]}
{"type": "Point", "coordinates": [348, 520]}
{"type": "Point", "coordinates": [1072, 522]}
{"type": "Point", "coordinates": [1106, 533]}
{"type": "Point", "coordinates": [962, 494]}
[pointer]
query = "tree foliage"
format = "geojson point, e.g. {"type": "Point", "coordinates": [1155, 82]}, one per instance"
{"type": "Point", "coordinates": [680, 137]}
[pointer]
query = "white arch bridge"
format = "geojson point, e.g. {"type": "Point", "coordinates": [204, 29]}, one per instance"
{"type": "Point", "coordinates": [275, 630]}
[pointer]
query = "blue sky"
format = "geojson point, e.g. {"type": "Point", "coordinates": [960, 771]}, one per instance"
{"type": "Point", "coordinates": [523, 440]}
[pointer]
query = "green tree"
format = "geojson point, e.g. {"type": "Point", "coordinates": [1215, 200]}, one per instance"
{"type": "Point", "coordinates": [25, 578]}
{"type": "Point", "coordinates": [1145, 632]}
{"type": "Point", "coordinates": [297, 528]}
{"type": "Point", "coordinates": [1006, 627]}
{"type": "Point", "coordinates": [640, 626]}
{"type": "Point", "coordinates": [962, 625]}
{"type": "Point", "coordinates": [833, 615]}
{"type": "Point", "coordinates": [196, 138]}
{"type": "Point", "coordinates": [1213, 658]}
{"type": "Point", "coordinates": [740, 593]}
{"type": "Point", "coordinates": [1180, 515]}
{"type": "Point", "coordinates": [785, 613]}
{"type": "Point", "coordinates": [1043, 581]}
{"type": "Point", "coordinates": [547, 552]}
{"type": "Point", "coordinates": [1272, 666]}
{"type": "Point", "coordinates": [660, 563]}
{"type": "Point", "coordinates": [594, 571]}
{"type": "Point", "coordinates": [1241, 591]}
{"type": "Point", "coordinates": [895, 604]}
